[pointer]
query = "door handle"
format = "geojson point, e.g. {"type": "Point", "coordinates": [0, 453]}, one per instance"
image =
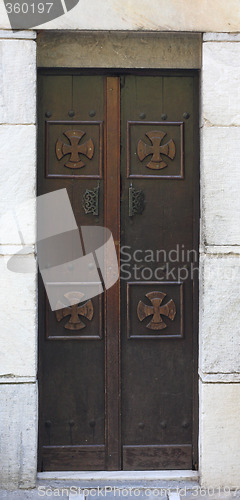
{"type": "Point", "coordinates": [90, 200]}
{"type": "Point", "coordinates": [136, 201]}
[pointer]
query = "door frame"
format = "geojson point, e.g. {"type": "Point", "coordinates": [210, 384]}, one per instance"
{"type": "Point", "coordinates": [112, 296]}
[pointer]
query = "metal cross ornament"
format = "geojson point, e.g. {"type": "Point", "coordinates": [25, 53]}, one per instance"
{"type": "Point", "coordinates": [156, 150]}
{"type": "Point", "coordinates": [74, 148]}
{"type": "Point", "coordinates": [156, 310]}
{"type": "Point", "coordinates": [74, 311]}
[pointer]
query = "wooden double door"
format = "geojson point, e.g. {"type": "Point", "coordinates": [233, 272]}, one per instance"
{"type": "Point", "coordinates": [117, 373]}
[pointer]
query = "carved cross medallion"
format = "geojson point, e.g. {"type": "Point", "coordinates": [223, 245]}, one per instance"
{"type": "Point", "coordinates": [156, 310]}
{"type": "Point", "coordinates": [74, 311]}
{"type": "Point", "coordinates": [74, 149]}
{"type": "Point", "coordinates": [156, 150]}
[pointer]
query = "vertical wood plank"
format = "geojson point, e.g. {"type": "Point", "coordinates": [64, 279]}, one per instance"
{"type": "Point", "coordinates": [112, 296]}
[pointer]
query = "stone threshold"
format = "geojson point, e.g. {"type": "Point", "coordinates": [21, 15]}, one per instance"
{"type": "Point", "coordinates": [121, 476]}
{"type": "Point", "coordinates": [146, 485]}
{"type": "Point", "coordinates": [166, 475]}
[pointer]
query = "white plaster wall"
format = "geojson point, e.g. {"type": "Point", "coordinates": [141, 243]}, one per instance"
{"type": "Point", "coordinates": [18, 336]}
{"type": "Point", "coordinates": [159, 15]}
{"type": "Point", "coordinates": [219, 365]}
{"type": "Point", "coordinates": [17, 78]}
{"type": "Point", "coordinates": [220, 81]}
{"type": "Point", "coordinates": [220, 325]}
{"type": "Point", "coordinates": [220, 435]}
{"type": "Point", "coordinates": [18, 403]}
{"type": "Point", "coordinates": [17, 188]}
{"type": "Point", "coordinates": [220, 160]}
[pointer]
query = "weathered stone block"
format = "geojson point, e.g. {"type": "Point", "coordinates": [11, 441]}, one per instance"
{"type": "Point", "coordinates": [18, 179]}
{"type": "Point", "coordinates": [18, 313]}
{"type": "Point", "coordinates": [219, 314]}
{"type": "Point", "coordinates": [155, 15]}
{"type": "Point", "coordinates": [220, 83]}
{"type": "Point", "coordinates": [219, 435]}
{"type": "Point", "coordinates": [18, 81]}
{"type": "Point", "coordinates": [220, 180]}
{"type": "Point", "coordinates": [18, 35]}
{"type": "Point", "coordinates": [221, 37]}
{"type": "Point", "coordinates": [18, 433]}
{"type": "Point", "coordinates": [119, 50]}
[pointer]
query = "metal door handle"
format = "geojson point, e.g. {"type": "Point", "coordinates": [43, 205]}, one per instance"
{"type": "Point", "coordinates": [90, 200]}
{"type": "Point", "coordinates": [136, 201]}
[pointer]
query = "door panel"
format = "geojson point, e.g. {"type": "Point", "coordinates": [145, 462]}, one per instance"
{"type": "Point", "coordinates": [71, 362]}
{"type": "Point", "coordinates": [102, 407]}
{"type": "Point", "coordinates": [157, 351]}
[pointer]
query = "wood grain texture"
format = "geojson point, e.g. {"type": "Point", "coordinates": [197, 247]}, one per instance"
{"type": "Point", "coordinates": [73, 458]}
{"type": "Point", "coordinates": [112, 297]}
{"type": "Point", "coordinates": [71, 363]}
{"type": "Point", "coordinates": [125, 398]}
{"type": "Point", "coordinates": [157, 457]}
{"type": "Point", "coordinates": [158, 392]}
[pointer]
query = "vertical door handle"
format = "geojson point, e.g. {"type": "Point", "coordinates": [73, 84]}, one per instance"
{"type": "Point", "coordinates": [90, 200]}
{"type": "Point", "coordinates": [136, 201]}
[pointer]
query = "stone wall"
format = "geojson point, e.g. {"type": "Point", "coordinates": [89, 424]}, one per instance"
{"type": "Point", "coordinates": [18, 297]}
{"type": "Point", "coordinates": [219, 370]}
{"type": "Point", "coordinates": [219, 362]}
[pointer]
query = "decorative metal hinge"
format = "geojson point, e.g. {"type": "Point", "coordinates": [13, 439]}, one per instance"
{"type": "Point", "coordinates": [136, 201]}
{"type": "Point", "coordinates": [90, 201]}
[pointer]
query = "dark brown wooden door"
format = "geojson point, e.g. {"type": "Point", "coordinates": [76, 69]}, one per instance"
{"type": "Point", "coordinates": [117, 380]}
